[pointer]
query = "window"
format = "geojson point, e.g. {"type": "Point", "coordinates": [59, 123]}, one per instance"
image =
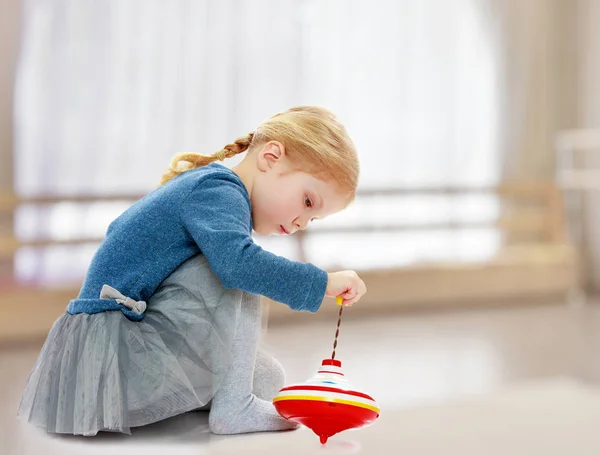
{"type": "Point", "coordinates": [108, 92]}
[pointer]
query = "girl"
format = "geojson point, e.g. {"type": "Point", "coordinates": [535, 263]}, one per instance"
{"type": "Point", "coordinates": [168, 316]}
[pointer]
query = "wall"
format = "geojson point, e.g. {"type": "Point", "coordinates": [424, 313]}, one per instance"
{"type": "Point", "coordinates": [10, 27]}
{"type": "Point", "coordinates": [588, 116]}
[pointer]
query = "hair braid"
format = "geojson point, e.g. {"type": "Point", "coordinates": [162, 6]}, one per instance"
{"type": "Point", "coordinates": [186, 161]}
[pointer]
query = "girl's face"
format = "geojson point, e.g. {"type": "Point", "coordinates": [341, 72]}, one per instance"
{"type": "Point", "coordinates": [285, 200]}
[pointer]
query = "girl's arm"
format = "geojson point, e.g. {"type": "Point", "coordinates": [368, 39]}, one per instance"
{"type": "Point", "coordinates": [217, 215]}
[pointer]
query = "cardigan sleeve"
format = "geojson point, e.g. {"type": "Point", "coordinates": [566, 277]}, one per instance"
{"type": "Point", "coordinates": [217, 214]}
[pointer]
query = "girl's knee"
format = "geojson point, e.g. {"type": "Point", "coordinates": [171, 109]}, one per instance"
{"type": "Point", "coordinates": [269, 376]}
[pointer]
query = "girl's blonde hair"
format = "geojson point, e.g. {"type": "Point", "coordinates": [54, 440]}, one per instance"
{"type": "Point", "coordinates": [314, 140]}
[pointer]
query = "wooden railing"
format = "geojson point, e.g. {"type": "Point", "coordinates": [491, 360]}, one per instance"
{"type": "Point", "coordinates": [544, 220]}
{"type": "Point", "coordinates": [535, 262]}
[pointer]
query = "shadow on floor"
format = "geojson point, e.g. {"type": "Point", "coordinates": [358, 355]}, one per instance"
{"type": "Point", "coordinates": [184, 428]}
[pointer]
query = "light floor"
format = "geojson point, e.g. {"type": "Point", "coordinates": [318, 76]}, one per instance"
{"type": "Point", "coordinates": [517, 379]}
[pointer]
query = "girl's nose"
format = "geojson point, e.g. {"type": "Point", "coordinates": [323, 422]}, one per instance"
{"type": "Point", "coordinates": [300, 223]}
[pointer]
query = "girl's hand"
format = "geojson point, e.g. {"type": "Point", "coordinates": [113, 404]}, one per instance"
{"type": "Point", "coordinates": [346, 285]}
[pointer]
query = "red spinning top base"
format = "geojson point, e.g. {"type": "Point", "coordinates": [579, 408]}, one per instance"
{"type": "Point", "coordinates": [327, 403]}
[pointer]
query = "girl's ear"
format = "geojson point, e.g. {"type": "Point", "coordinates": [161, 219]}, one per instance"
{"type": "Point", "coordinates": [270, 155]}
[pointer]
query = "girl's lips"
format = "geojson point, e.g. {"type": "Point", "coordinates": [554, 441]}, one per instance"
{"type": "Point", "coordinates": [283, 231]}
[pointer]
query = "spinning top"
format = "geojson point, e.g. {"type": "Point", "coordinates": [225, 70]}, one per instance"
{"type": "Point", "coordinates": [327, 403]}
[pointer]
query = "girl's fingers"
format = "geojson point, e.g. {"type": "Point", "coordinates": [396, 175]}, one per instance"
{"type": "Point", "coordinates": [350, 302]}
{"type": "Point", "coordinates": [352, 295]}
{"type": "Point", "coordinates": [349, 294]}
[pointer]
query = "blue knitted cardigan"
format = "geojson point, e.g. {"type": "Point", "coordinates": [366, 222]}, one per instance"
{"type": "Point", "coordinates": [203, 210]}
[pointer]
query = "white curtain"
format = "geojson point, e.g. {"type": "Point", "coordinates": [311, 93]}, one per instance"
{"type": "Point", "coordinates": [530, 42]}
{"type": "Point", "coordinates": [415, 82]}
{"type": "Point", "coordinates": [109, 91]}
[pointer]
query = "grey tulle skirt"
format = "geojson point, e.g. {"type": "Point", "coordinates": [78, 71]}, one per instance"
{"type": "Point", "coordinates": [103, 372]}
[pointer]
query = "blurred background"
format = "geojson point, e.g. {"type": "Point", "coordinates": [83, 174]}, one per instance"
{"type": "Point", "coordinates": [475, 228]}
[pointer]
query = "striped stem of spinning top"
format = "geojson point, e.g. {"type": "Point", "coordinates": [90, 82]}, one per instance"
{"type": "Point", "coordinates": [337, 331]}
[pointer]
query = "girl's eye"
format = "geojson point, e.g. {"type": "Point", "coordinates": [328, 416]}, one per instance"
{"type": "Point", "coordinates": [307, 202]}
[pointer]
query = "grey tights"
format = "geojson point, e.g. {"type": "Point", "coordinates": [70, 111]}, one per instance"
{"type": "Point", "coordinates": [243, 402]}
